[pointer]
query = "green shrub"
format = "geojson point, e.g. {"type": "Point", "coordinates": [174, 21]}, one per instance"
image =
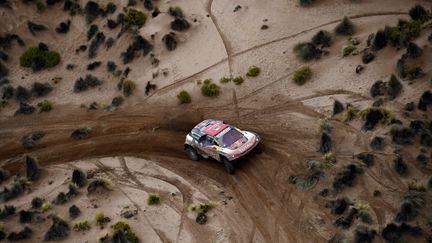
{"type": "Point", "coordinates": [413, 186]}
{"type": "Point", "coordinates": [100, 219]}
{"type": "Point", "coordinates": [418, 12]}
{"type": "Point", "coordinates": [45, 106]}
{"type": "Point", "coordinates": [302, 75]}
{"type": "Point", "coordinates": [323, 37]}
{"type": "Point", "coordinates": [4, 71]}
{"type": "Point", "coordinates": [225, 80]}
{"type": "Point", "coordinates": [307, 51]}
{"type": "Point", "coordinates": [82, 226]}
{"type": "Point", "coordinates": [184, 97]}
{"type": "Point", "coordinates": [40, 6]}
{"type": "Point", "coordinates": [347, 50]}
{"type": "Point", "coordinates": [345, 27]}
{"type": "Point", "coordinates": [126, 230]}
{"type": "Point", "coordinates": [92, 11]}
{"type": "Point", "coordinates": [413, 50]}
{"type": "Point", "coordinates": [210, 89]}
{"type": "Point", "coordinates": [81, 133]}
{"type": "Point", "coordinates": [46, 206]}
{"type": "Point", "coordinates": [50, 58]}
{"type": "Point", "coordinates": [405, 32]}
{"type": "Point", "coordinates": [106, 183]}
{"type": "Point", "coordinates": [305, 3]}
{"type": "Point", "coordinates": [350, 113]}
{"type": "Point", "coordinates": [203, 207]}
{"type": "Point", "coordinates": [253, 71]}
{"type": "Point", "coordinates": [238, 80]}
{"type": "Point", "coordinates": [415, 73]}
{"type": "Point", "coordinates": [176, 12]}
{"type": "Point", "coordinates": [153, 199]}
{"type": "Point", "coordinates": [128, 87]}
{"type": "Point", "coordinates": [134, 19]}
{"type": "Point", "coordinates": [89, 81]}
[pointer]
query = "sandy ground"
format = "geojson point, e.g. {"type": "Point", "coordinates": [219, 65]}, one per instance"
{"type": "Point", "coordinates": [140, 145]}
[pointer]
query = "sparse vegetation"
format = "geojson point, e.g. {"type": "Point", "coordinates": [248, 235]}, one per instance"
{"type": "Point", "coordinates": [58, 230]}
{"type": "Point", "coordinates": [153, 199]}
{"type": "Point", "coordinates": [81, 133]}
{"type": "Point", "coordinates": [307, 51]}
{"type": "Point", "coordinates": [82, 226]}
{"type": "Point", "coordinates": [253, 71]}
{"type": "Point", "coordinates": [21, 235]}
{"type": "Point", "coordinates": [402, 135]}
{"type": "Point", "coordinates": [377, 143]}
{"type": "Point", "coordinates": [413, 50]}
{"type": "Point", "coordinates": [380, 40]}
{"type": "Point", "coordinates": [37, 202]}
{"type": "Point", "coordinates": [305, 3]}
{"type": "Point", "coordinates": [346, 177]}
{"type": "Point", "coordinates": [45, 106]}
{"type": "Point", "coordinates": [184, 97]}
{"type": "Point", "coordinates": [32, 168]}
{"type": "Point", "coordinates": [46, 206]}
{"type": "Point", "coordinates": [101, 219]}
{"type": "Point", "coordinates": [225, 80]}
{"type": "Point", "coordinates": [134, 19]}
{"type": "Point", "coordinates": [210, 89]}
{"type": "Point", "coordinates": [74, 211]}
{"type": "Point", "coordinates": [41, 89]}
{"type": "Point", "coordinates": [128, 87]}
{"type": "Point", "coordinates": [323, 38]}
{"type": "Point", "coordinates": [25, 109]}
{"type": "Point", "coordinates": [418, 12]}
{"type": "Point", "coordinates": [302, 75]}
{"type": "Point", "coordinates": [92, 66]}
{"type": "Point", "coordinates": [83, 84]}
{"type": "Point", "coordinates": [176, 12]}
{"type": "Point", "coordinates": [345, 27]}
{"type": "Point", "coordinates": [180, 24]}
{"type": "Point", "coordinates": [7, 211]}
{"type": "Point", "coordinates": [92, 11]}
{"type": "Point", "coordinates": [100, 182]}
{"type": "Point", "coordinates": [38, 59]}
{"type": "Point", "coordinates": [94, 45]}
{"type": "Point", "coordinates": [124, 229]}
{"type": "Point", "coordinates": [373, 116]}
{"type": "Point", "coordinates": [238, 80]}
{"type": "Point", "coordinates": [347, 50]}
{"type": "Point", "coordinates": [203, 207]}
{"type": "Point", "coordinates": [350, 114]}
{"type": "Point", "coordinates": [400, 166]}
{"type": "Point", "coordinates": [139, 44]}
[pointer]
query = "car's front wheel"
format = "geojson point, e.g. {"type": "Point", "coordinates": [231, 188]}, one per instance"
{"type": "Point", "coordinates": [192, 153]}
{"type": "Point", "coordinates": [229, 166]}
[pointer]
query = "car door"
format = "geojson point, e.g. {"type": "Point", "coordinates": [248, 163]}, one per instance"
{"type": "Point", "coordinates": [208, 146]}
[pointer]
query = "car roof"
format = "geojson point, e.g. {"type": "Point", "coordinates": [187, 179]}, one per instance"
{"type": "Point", "coordinates": [209, 127]}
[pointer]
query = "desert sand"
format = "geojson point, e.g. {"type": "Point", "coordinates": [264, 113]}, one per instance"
{"type": "Point", "coordinates": [139, 145]}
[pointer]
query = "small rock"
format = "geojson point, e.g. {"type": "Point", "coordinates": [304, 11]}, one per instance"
{"type": "Point", "coordinates": [237, 8]}
{"type": "Point", "coordinates": [129, 213]}
{"type": "Point", "coordinates": [359, 68]}
{"type": "Point", "coordinates": [201, 218]}
{"type": "Point", "coordinates": [264, 27]}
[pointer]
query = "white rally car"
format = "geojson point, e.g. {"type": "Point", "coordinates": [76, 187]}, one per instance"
{"type": "Point", "coordinates": [223, 142]}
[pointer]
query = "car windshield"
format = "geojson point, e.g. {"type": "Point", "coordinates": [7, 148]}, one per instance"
{"type": "Point", "coordinates": [229, 136]}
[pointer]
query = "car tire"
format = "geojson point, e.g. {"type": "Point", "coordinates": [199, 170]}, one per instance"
{"type": "Point", "coordinates": [229, 166]}
{"type": "Point", "coordinates": [192, 153]}
{"type": "Point", "coordinates": [258, 149]}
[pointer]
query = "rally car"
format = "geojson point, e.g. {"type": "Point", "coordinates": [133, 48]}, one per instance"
{"type": "Point", "coordinates": [223, 142]}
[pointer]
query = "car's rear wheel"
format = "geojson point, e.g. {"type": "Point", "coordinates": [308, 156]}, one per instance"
{"type": "Point", "coordinates": [192, 153]}
{"type": "Point", "coordinates": [229, 166]}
